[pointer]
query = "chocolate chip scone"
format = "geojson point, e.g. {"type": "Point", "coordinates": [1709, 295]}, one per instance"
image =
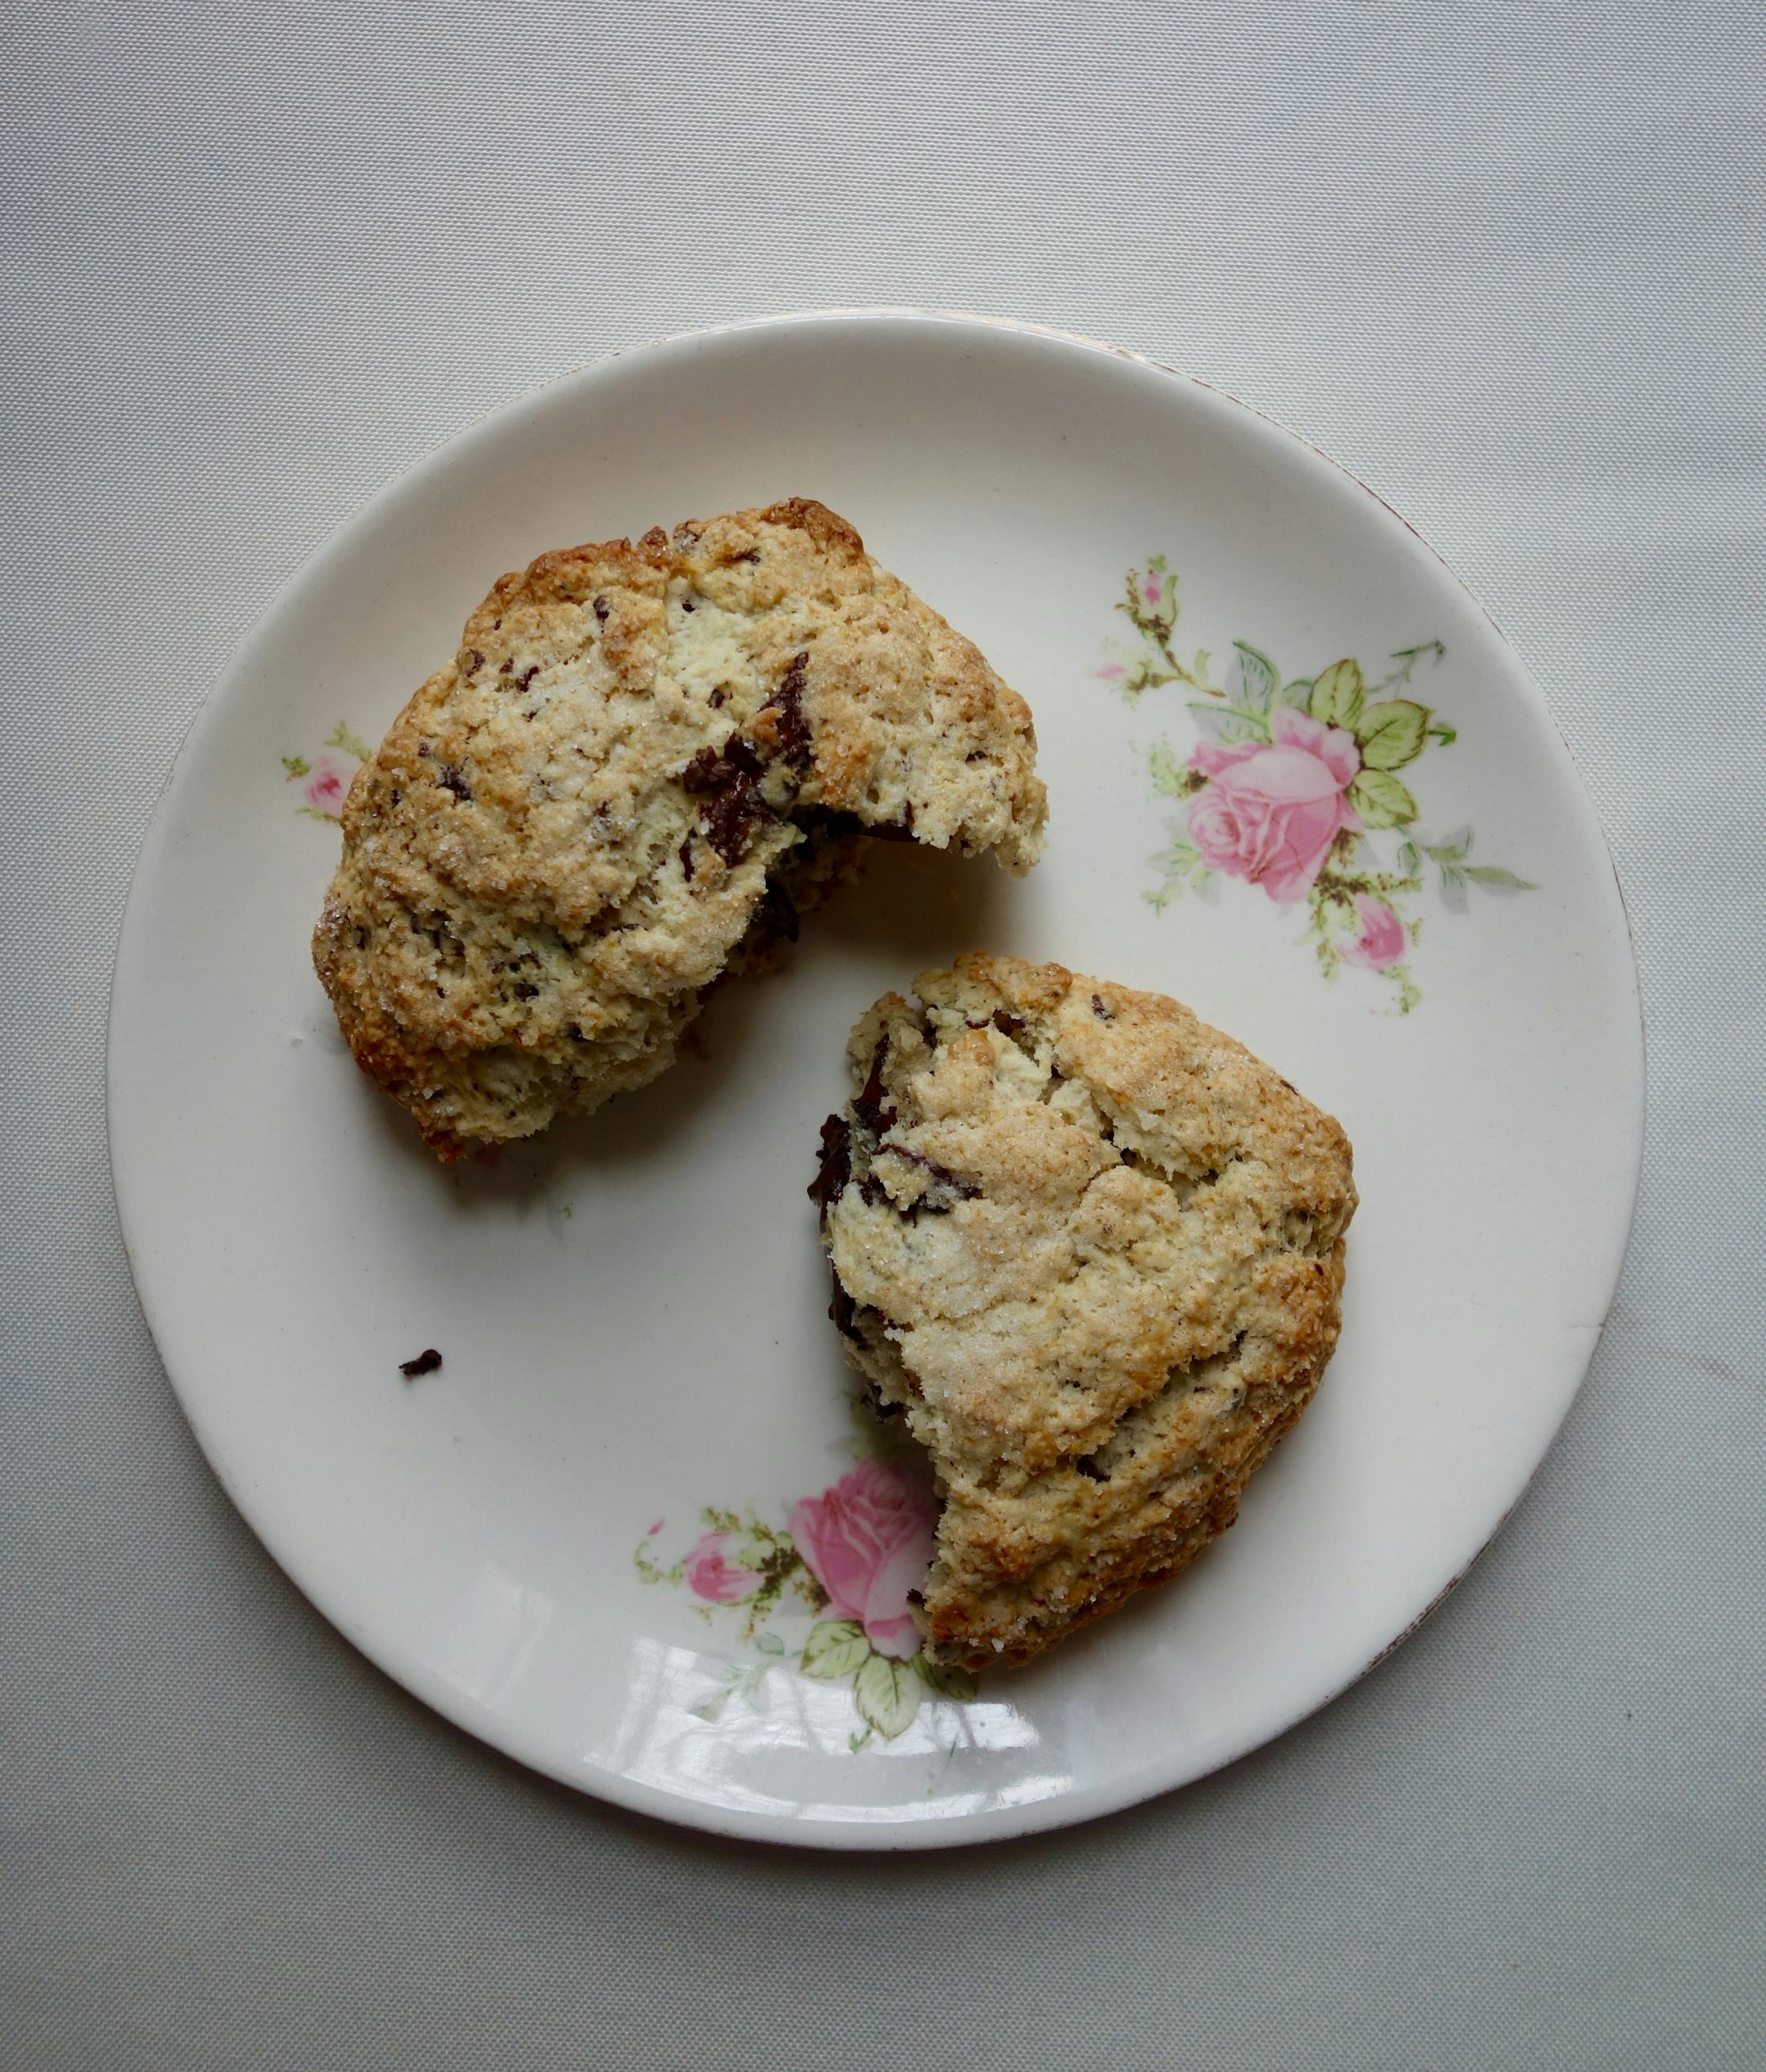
{"type": "Point", "coordinates": [1093, 1250]}
{"type": "Point", "coordinates": [642, 762]}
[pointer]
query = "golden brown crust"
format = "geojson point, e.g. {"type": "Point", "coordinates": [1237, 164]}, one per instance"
{"type": "Point", "coordinates": [637, 752]}
{"type": "Point", "coordinates": [1093, 1250]}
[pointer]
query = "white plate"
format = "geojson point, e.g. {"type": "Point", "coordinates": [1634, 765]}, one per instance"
{"type": "Point", "coordinates": [632, 1311]}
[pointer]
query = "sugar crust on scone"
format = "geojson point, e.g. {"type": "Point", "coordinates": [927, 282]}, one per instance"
{"type": "Point", "coordinates": [643, 759]}
{"type": "Point", "coordinates": [1092, 1250]}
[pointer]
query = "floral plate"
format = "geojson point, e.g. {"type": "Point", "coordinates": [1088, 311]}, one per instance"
{"type": "Point", "coordinates": [563, 1439]}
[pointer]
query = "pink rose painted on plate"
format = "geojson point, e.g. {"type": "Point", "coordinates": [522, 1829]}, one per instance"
{"type": "Point", "coordinates": [1382, 940]}
{"type": "Point", "coordinates": [325, 790]}
{"type": "Point", "coordinates": [711, 1574]}
{"type": "Point", "coordinates": [1294, 783]}
{"type": "Point", "coordinates": [869, 1541]}
{"type": "Point", "coordinates": [1274, 807]}
{"type": "Point", "coordinates": [850, 1556]}
{"type": "Point", "coordinates": [326, 776]}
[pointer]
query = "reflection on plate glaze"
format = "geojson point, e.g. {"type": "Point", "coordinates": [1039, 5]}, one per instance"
{"type": "Point", "coordinates": [852, 1557]}
{"type": "Point", "coordinates": [324, 777]}
{"type": "Point", "coordinates": [1290, 782]}
{"type": "Point", "coordinates": [664, 1738]}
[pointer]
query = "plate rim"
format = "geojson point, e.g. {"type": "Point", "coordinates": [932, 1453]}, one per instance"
{"type": "Point", "coordinates": [1069, 1808]}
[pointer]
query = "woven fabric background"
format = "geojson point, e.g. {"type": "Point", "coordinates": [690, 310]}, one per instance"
{"type": "Point", "coordinates": [1504, 260]}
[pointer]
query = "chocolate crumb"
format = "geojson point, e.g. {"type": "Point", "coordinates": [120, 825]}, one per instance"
{"type": "Point", "coordinates": [527, 676]}
{"type": "Point", "coordinates": [602, 609]}
{"type": "Point", "coordinates": [1103, 1013]}
{"type": "Point", "coordinates": [686, 604]}
{"type": "Point", "coordinates": [474, 661]}
{"type": "Point", "coordinates": [426, 1362]}
{"type": "Point", "coordinates": [718, 697]}
{"type": "Point", "coordinates": [451, 780]}
{"type": "Point", "coordinates": [916, 1596]}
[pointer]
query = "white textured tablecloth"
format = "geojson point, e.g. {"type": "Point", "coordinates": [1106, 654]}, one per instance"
{"type": "Point", "coordinates": [1505, 262]}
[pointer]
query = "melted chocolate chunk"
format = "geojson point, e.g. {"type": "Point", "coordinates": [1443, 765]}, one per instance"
{"type": "Point", "coordinates": [836, 1167]}
{"type": "Point", "coordinates": [426, 1362]}
{"type": "Point", "coordinates": [842, 1309]}
{"type": "Point", "coordinates": [731, 806]}
{"type": "Point", "coordinates": [775, 919]}
{"type": "Point", "coordinates": [964, 1189]}
{"type": "Point", "coordinates": [868, 1103]}
{"type": "Point", "coordinates": [794, 746]}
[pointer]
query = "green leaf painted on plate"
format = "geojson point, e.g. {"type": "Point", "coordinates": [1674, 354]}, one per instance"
{"type": "Point", "coordinates": [1392, 733]}
{"type": "Point", "coordinates": [887, 1694]}
{"type": "Point", "coordinates": [1258, 678]}
{"type": "Point", "coordinates": [836, 1649]}
{"type": "Point", "coordinates": [1339, 695]}
{"type": "Point", "coordinates": [1381, 800]}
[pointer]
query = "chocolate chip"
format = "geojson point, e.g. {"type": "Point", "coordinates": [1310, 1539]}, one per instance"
{"type": "Point", "coordinates": [841, 1308]}
{"type": "Point", "coordinates": [527, 676]}
{"type": "Point", "coordinates": [1103, 1013]}
{"type": "Point", "coordinates": [426, 1362]}
{"type": "Point", "coordinates": [474, 661]}
{"type": "Point", "coordinates": [753, 554]}
{"type": "Point", "coordinates": [916, 1596]}
{"type": "Point", "coordinates": [718, 697]}
{"type": "Point", "coordinates": [602, 609]}
{"type": "Point", "coordinates": [836, 1167]}
{"type": "Point", "coordinates": [686, 604]}
{"type": "Point", "coordinates": [451, 780]}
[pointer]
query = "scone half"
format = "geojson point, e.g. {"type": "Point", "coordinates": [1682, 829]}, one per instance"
{"type": "Point", "coordinates": [1091, 1250]}
{"type": "Point", "coordinates": [640, 763]}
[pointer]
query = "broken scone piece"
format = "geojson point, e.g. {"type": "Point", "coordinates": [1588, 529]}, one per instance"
{"type": "Point", "coordinates": [1093, 1250]}
{"type": "Point", "coordinates": [642, 762]}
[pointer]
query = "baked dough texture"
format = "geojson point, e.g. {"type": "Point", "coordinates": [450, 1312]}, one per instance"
{"type": "Point", "coordinates": [642, 762]}
{"type": "Point", "coordinates": [1092, 1251]}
